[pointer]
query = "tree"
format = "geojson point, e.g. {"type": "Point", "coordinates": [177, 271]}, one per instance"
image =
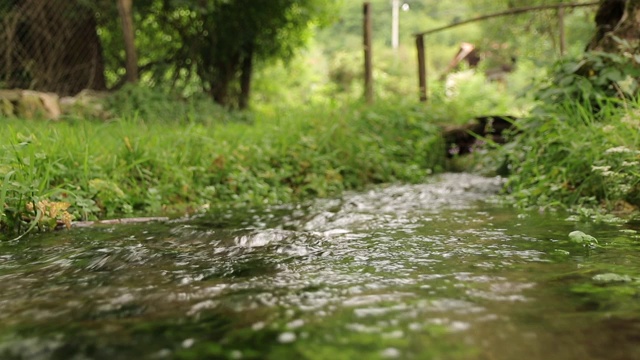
{"type": "Point", "coordinates": [221, 40]}
{"type": "Point", "coordinates": [50, 45]}
{"type": "Point", "coordinates": [617, 23]}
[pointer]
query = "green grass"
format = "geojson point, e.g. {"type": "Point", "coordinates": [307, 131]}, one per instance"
{"type": "Point", "coordinates": [572, 155]}
{"type": "Point", "coordinates": [147, 166]}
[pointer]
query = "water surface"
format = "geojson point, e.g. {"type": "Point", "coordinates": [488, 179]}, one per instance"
{"type": "Point", "coordinates": [431, 271]}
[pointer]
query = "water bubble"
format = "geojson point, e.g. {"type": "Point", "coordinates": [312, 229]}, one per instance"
{"type": "Point", "coordinates": [187, 343]}
{"type": "Point", "coordinates": [287, 337]}
{"type": "Point", "coordinates": [457, 326]}
{"type": "Point", "coordinates": [390, 353]}
{"type": "Point", "coordinates": [397, 334]}
{"type": "Point", "coordinates": [295, 324]}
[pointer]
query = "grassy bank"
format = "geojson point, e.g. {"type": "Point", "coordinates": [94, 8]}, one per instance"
{"type": "Point", "coordinates": [574, 156]}
{"type": "Point", "coordinates": [580, 146]}
{"type": "Point", "coordinates": [141, 165]}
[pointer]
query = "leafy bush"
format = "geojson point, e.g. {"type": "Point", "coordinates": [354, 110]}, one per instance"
{"type": "Point", "coordinates": [579, 146]}
{"type": "Point", "coordinates": [566, 159]}
{"type": "Point", "coordinates": [155, 104]}
{"type": "Point", "coordinates": [593, 79]}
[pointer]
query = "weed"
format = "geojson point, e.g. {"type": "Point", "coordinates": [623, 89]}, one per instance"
{"type": "Point", "coordinates": [570, 156]}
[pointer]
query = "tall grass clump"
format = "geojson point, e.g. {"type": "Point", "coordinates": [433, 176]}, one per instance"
{"type": "Point", "coordinates": [581, 146]}
{"type": "Point", "coordinates": [573, 158]}
{"type": "Point", "coordinates": [81, 169]}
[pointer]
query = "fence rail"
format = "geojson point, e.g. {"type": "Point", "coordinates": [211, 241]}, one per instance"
{"type": "Point", "coordinates": [421, 47]}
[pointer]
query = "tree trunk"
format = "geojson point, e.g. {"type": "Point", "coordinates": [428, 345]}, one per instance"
{"type": "Point", "coordinates": [128, 32]}
{"type": "Point", "coordinates": [218, 77]}
{"type": "Point", "coordinates": [219, 87]}
{"type": "Point", "coordinates": [617, 20]}
{"type": "Point", "coordinates": [245, 77]}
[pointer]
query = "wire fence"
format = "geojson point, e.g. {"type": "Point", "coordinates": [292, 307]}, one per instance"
{"type": "Point", "coordinates": [50, 45]}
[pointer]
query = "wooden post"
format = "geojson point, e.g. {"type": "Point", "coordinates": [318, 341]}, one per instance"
{"type": "Point", "coordinates": [128, 32]}
{"type": "Point", "coordinates": [368, 64]}
{"type": "Point", "coordinates": [563, 43]}
{"type": "Point", "coordinates": [395, 23]}
{"type": "Point", "coordinates": [422, 68]}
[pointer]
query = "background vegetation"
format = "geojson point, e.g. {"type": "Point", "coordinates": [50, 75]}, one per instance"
{"type": "Point", "coordinates": [167, 148]}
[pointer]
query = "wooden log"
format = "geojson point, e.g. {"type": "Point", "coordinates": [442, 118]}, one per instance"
{"type": "Point", "coordinates": [137, 220]}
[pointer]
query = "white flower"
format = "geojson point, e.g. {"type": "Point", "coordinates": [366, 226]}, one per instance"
{"type": "Point", "coordinates": [608, 128]}
{"type": "Point", "coordinates": [618, 149]}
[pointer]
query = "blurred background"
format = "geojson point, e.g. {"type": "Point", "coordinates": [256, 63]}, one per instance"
{"type": "Point", "coordinates": [308, 54]}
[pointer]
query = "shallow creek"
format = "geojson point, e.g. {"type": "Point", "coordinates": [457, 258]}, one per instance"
{"type": "Point", "coordinates": [430, 271]}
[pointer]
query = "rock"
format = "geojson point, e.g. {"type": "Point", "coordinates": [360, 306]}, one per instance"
{"type": "Point", "coordinates": [10, 95]}
{"type": "Point", "coordinates": [8, 101]}
{"type": "Point", "coordinates": [87, 103]}
{"type": "Point", "coordinates": [6, 108]}
{"type": "Point", "coordinates": [579, 237]}
{"type": "Point", "coordinates": [51, 104]}
{"type": "Point", "coordinates": [611, 278]}
{"type": "Point", "coordinates": [29, 104]}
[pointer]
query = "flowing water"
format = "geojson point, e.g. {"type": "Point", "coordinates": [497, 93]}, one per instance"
{"type": "Point", "coordinates": [432, 271]}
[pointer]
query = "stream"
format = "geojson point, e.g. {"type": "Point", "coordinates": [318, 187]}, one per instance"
{"type": "Point", "coordinates": [440, 270]}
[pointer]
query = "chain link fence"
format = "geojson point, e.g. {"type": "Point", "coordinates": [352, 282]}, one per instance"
{"type": "Point", "coordinates": [50, 45]}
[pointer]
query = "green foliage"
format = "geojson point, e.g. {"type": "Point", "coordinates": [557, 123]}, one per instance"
{"type": "Point", "coordinates": [301, 80]}
{"type": "Point", "coordinates": [533, 35]}
{"type": "Point", "coordinates": [594, 79]}
{"type": "Point", "coordinates": [155, 104]}
{"type": "Point", "coordinates": [184, 46]}
{"type": "Point", "coordinates": [580, 146]}
{"type": "Point", "coordinates": [572, 157]}
{"type": "Point", "coordinates": [29, 194]}
{"type": "Point", "coordinates": [526, 37]}
{"type": "Point", "coordinates": [208, 46]}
